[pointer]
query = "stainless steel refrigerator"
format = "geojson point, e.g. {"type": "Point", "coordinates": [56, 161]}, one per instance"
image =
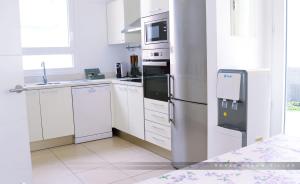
{"type": "Point", "coordinates": [188, 81]}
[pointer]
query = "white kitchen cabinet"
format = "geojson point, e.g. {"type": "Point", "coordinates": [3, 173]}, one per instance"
{"type": "Point", "coordinates": [57, 112]}
{"type": "Point", "coordinates": [152, 7]}
{"type": "Point", "coordinates": [136, 112]}
{"type": "Point", "coordinates": [9, 28]}
{"type": "Point", "coordinates": [120, 108]}
{"type": "Point", "coordinates": [128, 110]}
{"type": "Point", "coordinates": [121, 13]}
{"type": "Point", "coordinates": [158, 127]}
{"type": "Point", "coordinates": [34, 115]}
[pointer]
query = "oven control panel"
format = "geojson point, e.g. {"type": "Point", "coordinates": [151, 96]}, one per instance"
{"type": "Point", "coordinates": [157, 54]}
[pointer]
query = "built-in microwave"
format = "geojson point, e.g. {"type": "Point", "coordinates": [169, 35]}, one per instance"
{"type": "Point", "coordinates": [155, 31]}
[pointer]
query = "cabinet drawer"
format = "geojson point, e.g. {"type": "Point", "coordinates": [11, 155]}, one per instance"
{"type": "Point", "coordinates": [157, 117]}
{"type": "Point", "coordinates": [158, 129]}
{"type": "Point", "coordinates": [157, 106]}
{"type": "Point", "coordinates": [158, 140]}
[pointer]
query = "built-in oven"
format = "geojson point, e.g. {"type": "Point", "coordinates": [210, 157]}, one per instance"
{"type": "Point", "coordinates": [155, 31]}
{"type": "Point", "coordinates": [156, 71]}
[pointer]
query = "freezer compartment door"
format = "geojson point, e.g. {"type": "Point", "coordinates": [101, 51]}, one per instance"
{"type": "Point", "coordinates": [188, 50]}
{"type": "Point", "coordinates": [189, 133]}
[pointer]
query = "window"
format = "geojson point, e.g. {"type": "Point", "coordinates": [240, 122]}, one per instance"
{"type": "Point", "coordinates": [292, 124]}
{"type": "Point", "coordinates": [45, 31]}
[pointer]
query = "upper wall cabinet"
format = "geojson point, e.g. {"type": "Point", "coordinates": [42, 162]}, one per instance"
{"type": "Point", "coordinates": [10, 42]}
{"type": "Point", "coordinates": [152, 7]}
{"type": "Point", "coordinates": [121, 14]}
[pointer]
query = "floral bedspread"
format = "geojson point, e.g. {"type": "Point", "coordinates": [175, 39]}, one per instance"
{"type": "Point", "coordinates": [280, 149]}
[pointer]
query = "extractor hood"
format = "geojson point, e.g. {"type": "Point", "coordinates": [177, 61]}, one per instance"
{"type": "Point", "coordinates": [133, 27]}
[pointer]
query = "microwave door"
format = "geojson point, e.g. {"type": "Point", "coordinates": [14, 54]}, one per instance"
{"type": "Point", "coordinates": [155, 31]}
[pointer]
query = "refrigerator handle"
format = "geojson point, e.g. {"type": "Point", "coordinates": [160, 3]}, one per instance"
{"type": "Point", "coordinates": [171, 112]}
{"type": "Point", "coordinates": [171, 86]}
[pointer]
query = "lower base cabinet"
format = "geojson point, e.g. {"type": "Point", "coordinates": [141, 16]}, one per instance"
{"type": "Point", "coordinates": [158, 127]}
{"type": "Point", "coordinates": [50, 113]}
{"type": "Point", "coordinates": [57, 112]}
{"type": "Point", "coordinates": [128, 110]}
{"type": "Point", "coordinates": [34, 115]}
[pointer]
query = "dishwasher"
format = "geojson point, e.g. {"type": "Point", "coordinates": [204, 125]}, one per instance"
{"type": "Point", "coordinates": [92, 112]}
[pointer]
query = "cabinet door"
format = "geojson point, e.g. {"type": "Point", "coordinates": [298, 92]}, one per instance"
{"type": "Point", "coordinates": [34, 115]}
{"type": "Point", "coordinates": [136, 112]}
{"type": "Point", "coordinates": [115, 21]}
{"type": "Point", "coordinates": [120, 107]}
{"type": "Point", "coordinates": [9, 28]}
{"type": "Point", "coordinates": [152, 7]}
{"type": "Point", "coordinates": [57, 112]}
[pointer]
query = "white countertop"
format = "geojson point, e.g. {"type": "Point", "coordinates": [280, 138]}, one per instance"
{"type": "Point", "coordinates": [76, 83]}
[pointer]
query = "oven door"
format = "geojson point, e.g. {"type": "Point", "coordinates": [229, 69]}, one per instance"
{"type": "Point", "coordinates": [156, 80]}
{"type": "Point", "coordinates": [155, 32]}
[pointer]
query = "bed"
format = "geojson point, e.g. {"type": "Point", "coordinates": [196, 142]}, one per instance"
{"type": "Point", "coordinates": [278, 159]}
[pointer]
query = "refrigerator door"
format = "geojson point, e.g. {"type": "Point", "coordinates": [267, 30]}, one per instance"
{"type": "Point", "coordinates": [188, 50]}
{"type": "Point", "coordinates": [189, 133]}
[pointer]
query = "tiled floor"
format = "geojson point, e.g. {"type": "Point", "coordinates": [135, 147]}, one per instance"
{"type": "Point", "coordinates": [114, 161]}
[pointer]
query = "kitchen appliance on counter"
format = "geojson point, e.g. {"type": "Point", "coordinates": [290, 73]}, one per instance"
{"type": "Point", "coordinates": [93, 74]}
{"type": "Point", "coordinates": [156, 70]}
{"type": "Point", "coordinates": [188, 81]}
{"type": "Point", "coordinates": [243, 107]}
{"type": "Point", "coordinates": [121, 70]}
{"type": "Point", "coordinates": [135, 71]}
{"type": "Point", "coordinates": [155, 31]}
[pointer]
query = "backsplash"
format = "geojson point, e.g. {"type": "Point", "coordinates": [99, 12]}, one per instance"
{"type": "Point", "coordinates": [80, 75]}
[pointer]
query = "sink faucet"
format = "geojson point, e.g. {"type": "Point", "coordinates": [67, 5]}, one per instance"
{"type": "Point", "coordinates": [45, 78]}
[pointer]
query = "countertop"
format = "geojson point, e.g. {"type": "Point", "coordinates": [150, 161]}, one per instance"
{"type": "Point", "coordinates": [77, 83]}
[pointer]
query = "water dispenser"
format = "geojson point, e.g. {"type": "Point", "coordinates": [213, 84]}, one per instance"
{"type": "Point", "coordinates": [244, 104]}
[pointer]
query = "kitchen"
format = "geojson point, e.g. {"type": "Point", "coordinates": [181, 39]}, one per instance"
{"type": "Point", "coordinates": [121, 91]}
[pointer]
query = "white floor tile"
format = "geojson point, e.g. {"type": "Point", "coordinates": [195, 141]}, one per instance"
{"type": "Point", "coordinates": [109, 161]}
{"type": "Point", "coordinates": [100, 176]}
{"type": "Point", "coordinates": [47, 169]}
{"type": "Point", "coordinates": [78, 158]}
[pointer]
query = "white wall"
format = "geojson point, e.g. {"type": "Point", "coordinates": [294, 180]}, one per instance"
{"type": "Point", "coordinates": [91, 48]}
{"type": "Point", "coordinates": [235, 52]}
{"type": "Point", "coordinates": [88, 21]}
